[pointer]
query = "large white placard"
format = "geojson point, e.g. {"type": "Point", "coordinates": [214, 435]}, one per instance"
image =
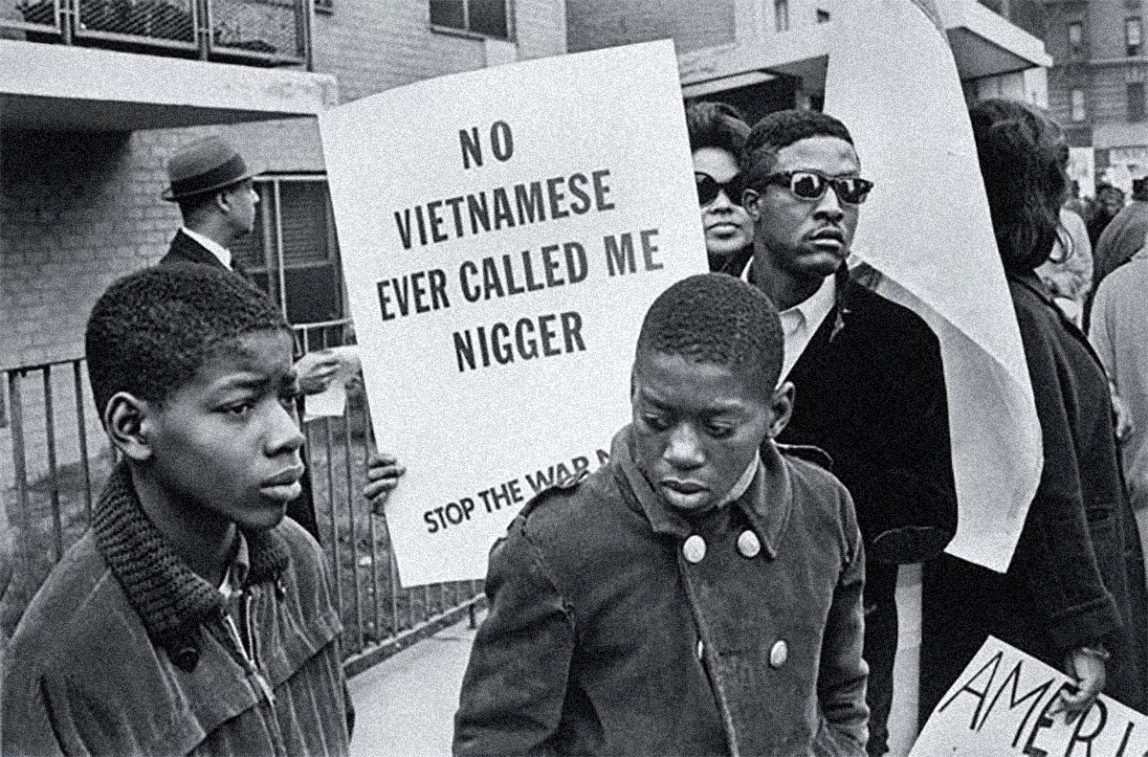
{"type": "Point", "coordinates": [503, 232]}
{"type": "Point", "coordinates": [1000, 707]}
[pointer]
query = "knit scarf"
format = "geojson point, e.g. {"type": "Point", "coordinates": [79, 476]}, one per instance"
{"type": "Point", "coordinates": [170, 598]}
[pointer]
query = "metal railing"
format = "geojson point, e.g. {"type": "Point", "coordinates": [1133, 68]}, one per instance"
{"type": "Point", "coordinates": [259, 32]}
{"type": "Point", "coordinates": [61, 459]}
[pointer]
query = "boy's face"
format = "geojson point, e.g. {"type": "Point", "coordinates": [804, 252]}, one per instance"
{"type": "Point", "coordinates": [698, 426]}
{"type": "Point", "coordinates": [227, 442]}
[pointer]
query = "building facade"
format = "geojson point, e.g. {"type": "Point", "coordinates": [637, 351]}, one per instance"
{"type": "Point", "coordinates": [1096, 84]}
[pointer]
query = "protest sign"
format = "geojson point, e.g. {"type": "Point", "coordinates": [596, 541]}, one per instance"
{"type": "Point", "coordinates": [1001, 707]}
{"type": "Point", "coordinates": [503, 232]}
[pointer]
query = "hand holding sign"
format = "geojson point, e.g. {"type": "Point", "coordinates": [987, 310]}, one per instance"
{"type": "Point", "coordinates": [383, 473]}
{"type": "Point", "coordinates": [1005, 704]}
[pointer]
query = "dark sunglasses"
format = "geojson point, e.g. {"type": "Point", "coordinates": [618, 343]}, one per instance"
{"type": "Point", "coordinates": [708, 188]}
{"type": "Point", "coordinates": [807, 185]}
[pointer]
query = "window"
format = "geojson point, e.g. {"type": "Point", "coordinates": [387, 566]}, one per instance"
{"type": "Point", "coordinates": [486, 17]}
{"type": "Point", "coordinates": [822, 16]}
{"type": "Point", "coordinates": [1075, 39]}
{"type": "Point", "coordinates": [292, 253]}
{"type": "Point", "coordinates": [1136, 101]}
{"type": "Point", "coordinates": [1132, 34]}
{"type": "Point", "coordinates": [1078, 113]}
{"type": "Point", "coordinates": [781, 15]}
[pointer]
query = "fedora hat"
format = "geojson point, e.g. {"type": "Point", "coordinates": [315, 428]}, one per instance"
{"type": "Point", "coordinates": [204, 166]}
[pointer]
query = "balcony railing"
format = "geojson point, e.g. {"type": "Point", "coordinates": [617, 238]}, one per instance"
{"type": "Point", "coordinates": [256, 32]}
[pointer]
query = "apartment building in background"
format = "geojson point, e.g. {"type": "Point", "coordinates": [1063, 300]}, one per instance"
{"type": "Point", "coordinates": [1096, 83]}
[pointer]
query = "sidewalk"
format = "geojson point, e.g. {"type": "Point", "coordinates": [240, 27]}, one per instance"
{"type": "Point", "coordinates": [404, 706]}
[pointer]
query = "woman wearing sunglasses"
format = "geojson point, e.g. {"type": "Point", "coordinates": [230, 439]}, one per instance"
{"type": "Point", "coordinates": [717, 136]}
{"type": "Point", "coordinates": [1074, 594]}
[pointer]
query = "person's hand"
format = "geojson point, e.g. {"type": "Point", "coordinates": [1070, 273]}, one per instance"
{"type": "Point", "coordinates": [1086, 665]}
{"type": "Point", "coordinates": [1122, 417]}
{"type": "Point", "coordinates": [383, 473]}
{"type": "Point", "coordinates": [316, 370]}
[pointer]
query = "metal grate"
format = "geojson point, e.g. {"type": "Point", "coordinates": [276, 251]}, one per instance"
{"type": "Point", "coordinates": [154, 19]}
{"type": "Point", "coordinates": [31, 15]}
{"type": "Point", "coordinates": [263, 27]}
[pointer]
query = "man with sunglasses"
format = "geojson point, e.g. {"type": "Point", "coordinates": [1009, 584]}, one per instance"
{"type": "Point", "coordinates": [868, 372]}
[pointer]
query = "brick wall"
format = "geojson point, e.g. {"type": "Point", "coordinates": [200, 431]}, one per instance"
{"type": "Point", "coordinates": [594, 24]}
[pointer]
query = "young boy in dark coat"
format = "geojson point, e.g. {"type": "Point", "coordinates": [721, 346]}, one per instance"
{"type": "Point", "coordinates": [191, 617]}
{"type": "Point", "coordinates": [701, 593]}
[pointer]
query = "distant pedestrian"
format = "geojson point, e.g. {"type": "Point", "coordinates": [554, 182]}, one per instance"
{"type": "Point", "coordinates": [698, 595]}
{"type": "Point", "coordinates": [1124, 236]}
{"type": "Point", "coordinates": [213, 186]}
{"type": "Point", "coordinates": [1109, 201]}
{"type": "Point", "coordinates": [191, 617]}
{"type": "Point", "coordinates": [1068, 271]}
{"type": "Point", "coordinates": [717, 138]}
{"type": "Point", "coordinates": [1120, 335]}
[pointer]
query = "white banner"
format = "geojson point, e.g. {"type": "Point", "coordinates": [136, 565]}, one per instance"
{"type": "Point", "coordinates": [1000, 706]}
{"type": "Point", "coordinates": [502, 233]}
{"type": "Point", "coordinates": [927, 229]}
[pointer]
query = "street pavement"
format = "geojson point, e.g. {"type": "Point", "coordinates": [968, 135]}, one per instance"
{"type": "Point", "coordinates": [406, 703]}
{"type": "Point", "coordinates": [404, 706]}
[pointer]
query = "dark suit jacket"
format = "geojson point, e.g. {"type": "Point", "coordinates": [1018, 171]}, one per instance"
{"type": "Point", "coordinates": [871, 393]}
{"type": "Point", "coordinates": [184, 249]}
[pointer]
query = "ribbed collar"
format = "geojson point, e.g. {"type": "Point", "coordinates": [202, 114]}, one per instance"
{"type": "Point", "coordinates": [767, 503]}
{"type": "Point", "coordinates": [170, 598]}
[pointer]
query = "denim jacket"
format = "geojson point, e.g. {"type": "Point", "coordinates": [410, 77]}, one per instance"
{"type": "Point", "coordinates": [123, 651]}
{"type": "Point", "coordinates": [608, 635]}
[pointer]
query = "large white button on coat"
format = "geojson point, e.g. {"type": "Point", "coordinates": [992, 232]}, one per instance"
{"type": "Point", "coordinates": [748, 544]}
{"type": "Point", "coordinates": [694, 549]}
{"type": "Point", "coordinates": [779, 654]}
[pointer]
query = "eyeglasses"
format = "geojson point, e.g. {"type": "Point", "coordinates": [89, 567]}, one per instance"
{"type": "Point", "coordinates": [708, 188]}
{"type": "Point", "coordinates": [808, 185]}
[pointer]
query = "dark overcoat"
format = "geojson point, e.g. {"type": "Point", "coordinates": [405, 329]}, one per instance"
{"type": "Point", "coordinates": [605, 638]}
{"type": "Point", "coordinates": [1077, 576]}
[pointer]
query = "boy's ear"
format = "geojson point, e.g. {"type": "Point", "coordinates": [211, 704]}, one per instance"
{"type": "Point", "coordinates": [781, 407]}
{"type": "Point", "coordinates": [129, 422]}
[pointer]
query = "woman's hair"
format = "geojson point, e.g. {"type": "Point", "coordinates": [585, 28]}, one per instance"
{"type": "Point", "coordinates": [1023, 157]}
{"type": "Point", "coordinates": [716, 125]}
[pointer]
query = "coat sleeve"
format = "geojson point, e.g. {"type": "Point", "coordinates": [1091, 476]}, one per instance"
{"type": "Point", "coordinates": [1055, 557]}
{"type": "Point", "coordinates": [514, 689]}
{"type": "Point", "coordinates": [26, 725]}
{"type": "Point", "coordinates": [842, 673]}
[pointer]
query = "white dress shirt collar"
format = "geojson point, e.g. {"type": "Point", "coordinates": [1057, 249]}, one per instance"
{"type": "Point", "coordinates": [215, 248]}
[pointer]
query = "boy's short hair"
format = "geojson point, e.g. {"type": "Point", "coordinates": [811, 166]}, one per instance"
{"type": "Point", "coordinates": [152, 330]}
{"type": "Point", "coordinates": [716, 318]}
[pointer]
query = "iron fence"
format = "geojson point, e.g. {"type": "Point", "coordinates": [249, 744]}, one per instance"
{"type": "Point", "coordinates": [61, 459]}
{"type": "Point", "coordinates": [260, 32]}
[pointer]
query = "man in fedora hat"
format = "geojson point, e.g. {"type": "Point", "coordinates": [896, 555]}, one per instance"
{"type": "Point", "coordinates": [212, 184]}
{"type": "Point", "coordinates": [217, 199]}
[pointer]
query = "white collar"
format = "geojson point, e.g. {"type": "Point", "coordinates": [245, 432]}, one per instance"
{"type": "Point", "coordinates": [815, 307]}
{"type": "Point", "coordinates": [215, 248]}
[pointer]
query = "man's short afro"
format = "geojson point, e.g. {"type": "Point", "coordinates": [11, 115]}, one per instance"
{"type": "Point", "coordinates": [716, 318]}
{"type": "Point", "coordinates": [152, 330]}
{"type": "Point", "coordinates": [779, 130]}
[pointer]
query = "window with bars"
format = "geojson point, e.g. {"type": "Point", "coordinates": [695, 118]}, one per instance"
{"type": "Point", "coordinates": [292, 253]}
{"type": "Point", "coordinates": [1133, 31]}
{"type": "Point", "coordinates": [489, 18]}
{"type": "Point", "coordinates": [781, 15]}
